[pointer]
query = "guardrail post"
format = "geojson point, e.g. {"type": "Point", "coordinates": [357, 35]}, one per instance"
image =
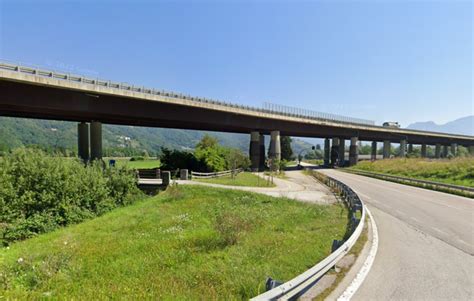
{"type": "Point", "coordinates": [183, 174]}
{"type": "Point", "coordinates": [166, 178]}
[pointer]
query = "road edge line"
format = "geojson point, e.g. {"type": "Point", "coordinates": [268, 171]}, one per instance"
{"type": "Point", "coordinates": [364, 271]}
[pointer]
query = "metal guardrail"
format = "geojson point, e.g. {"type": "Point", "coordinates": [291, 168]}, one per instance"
{"type": "Point", "coordinates": [210, 175]}
{"type": "Point", "coordinates": [305, 113]}
{"type": "Point", "coordinates": [294, 287]}
{"type": "Point", "coordinates": [267, 107]}
{"type": "Point", "coordinates": [425, 183]}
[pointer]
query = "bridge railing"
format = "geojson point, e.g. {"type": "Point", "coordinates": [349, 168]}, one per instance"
{"type": "Point", "coordinates": [210, 175]}
{"type": "Point", "coordinates": [267, 107]}
{"type": "Point", "coordinates": [294, 287]}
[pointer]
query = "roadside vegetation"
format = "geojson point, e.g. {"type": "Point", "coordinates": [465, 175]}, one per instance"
{"type": "Point", "coordinates": [186, 243]}
{"type": "Point", "coordinates": [241, 179]}
{"type": "Point", "coordinates": [40, 192]}
{"type": "Point", "coordinates": [138, 162]}
{"type": "Point", "coordinates": [457, 171]}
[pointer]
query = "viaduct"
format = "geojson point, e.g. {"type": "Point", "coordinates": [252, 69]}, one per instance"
{"type": "Point", "coordinates": [36, 93]}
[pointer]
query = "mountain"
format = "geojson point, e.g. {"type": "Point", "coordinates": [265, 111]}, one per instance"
{"type": "Point", "coordinates": [16, 132]}
{"type": "Point", "coordinates": [462, 126]}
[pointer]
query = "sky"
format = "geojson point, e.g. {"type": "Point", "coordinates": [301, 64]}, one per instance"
{"type": "Point", "coordinates": [404, 61]}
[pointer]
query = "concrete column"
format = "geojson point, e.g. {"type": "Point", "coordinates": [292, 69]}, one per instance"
{"type": "Point", "coordinates": [96, 140]}
{"type": "Point", "coordinates": [334, 151]}
{"type": "Point", "coordinates": [471, 150]}
{"type": "Point", "coordinates": [373, 155]}
{"type": "Point", "coordinates": [261, 165]}
{"type": "Point", "coordinates": [254, 150]}
{"type": "Point", "coordinates": [353, 151]}
{"type": "Point", "coordinates": [445, 151]}
{"type": "Point", "coordinates": [410, 148]}
{"type": "Point", "coordinates": [386, 149]}
{"type": "Point", "coordinates": [327, 151]}
{"type": "Point", "coordinates": [275, 146]}
{"type": "Point", "coordinates": [165, 178]}
{"type": "Point", "coordinates": [454, 148]}
{"type": "Point", "coordinates": [342, 151]}
{"type": "Point", "coordinates": [83, 141]}
{"type": "Point", "coordinates": [183, 174]}
{"type": "Point", "coordinates": [423, 150]}
{"type": "Point", "coordinates": [438, 151]}
{"type": "Point", "coordinates": [403, 148]}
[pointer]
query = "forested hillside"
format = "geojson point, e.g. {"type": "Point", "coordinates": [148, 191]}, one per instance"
{"type": "Point", "coordinates": [118, 140]}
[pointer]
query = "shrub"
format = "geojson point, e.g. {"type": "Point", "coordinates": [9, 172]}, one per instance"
{"type": "Point", "coordinates": [39, 193]}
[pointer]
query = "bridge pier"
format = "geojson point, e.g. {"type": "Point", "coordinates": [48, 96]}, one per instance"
{"type": "Point", "coordinates": [275, 146]}
{"type": "Point", "coordinates": [96, 140]}
{"type": "Point", "coordinates": [423, 150]}
{"type": "Point", "coordinates": [471, 150]}
{"type": "Point", "coordinates": [353, 152]}
{"type": "Point", "coordinates": [327, 151]}
{"type": "Point", "coordinates": [342, 151]}
{"type": "Point", "coordinates": [403, 148]}
{"type": "Point", "coordinates": [373, 155]}
{"type": "Point", "coordinates": [386, 149]}
{"type": "Point", "coordinates": [445, 151]}
{"type": "Point", "coordinates": [438, 151]}
{"type": "Point", "coordinates": [254, 151]}
{"type": "Point", "coordinates": [454, 149]}
{"type": "Point", "coordinates": [261, 144]}
{"type": "Point", "coordinates": [83, 141]}
{"type": "Point", "coordinates": [334, 151]}
{"type": "Point", "coordinates": [410, 148]}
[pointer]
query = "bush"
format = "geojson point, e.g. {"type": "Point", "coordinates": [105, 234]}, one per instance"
{"type": "Point", "coordinates": [137, 158]}
{"type": "Point", "coordinates": [39, 193]}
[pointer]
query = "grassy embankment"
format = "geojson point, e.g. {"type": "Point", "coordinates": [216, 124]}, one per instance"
{"type": "Point", "coordinates": [459, 171]}
{"type": "Point", "coordinates": [242, 179]}
{"type": "Point", "coordinates": [186, 243]}
{"type": "Point", "coordinates": [139, 164]}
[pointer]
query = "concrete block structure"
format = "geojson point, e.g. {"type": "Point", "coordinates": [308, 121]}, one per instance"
{"type": "Point", "coordinates": [254, 150]}
{"type": "Point", "coordinates": [275, 146]}
{"type": "Point", "coordinates": [403, 148]}
{"type": "Point", "coordinates": [83, 141]}
{"type": "Point", "coordinates": [96, 140]}
{"type": "Point", "coordinates": [386, 149]}
{"type": "Point", "coordinates": [327, 152]}
{"type": "Point", "coordinates": [373, 154]}
{"type": "Point", "coordinates": [353, 151]}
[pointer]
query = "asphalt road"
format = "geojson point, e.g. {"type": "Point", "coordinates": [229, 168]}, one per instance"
{"type": "Point", "coordinates": [426, 242]}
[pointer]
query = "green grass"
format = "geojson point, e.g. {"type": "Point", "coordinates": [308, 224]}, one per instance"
{"type": "Point", "coordinates": [242, 179]}
{"type": "Point", "coordinates": [459, 171]}
{"type": "Point", "coordinates": [187, 243]}
{"type": "Point", "coordinates": [142, 164]}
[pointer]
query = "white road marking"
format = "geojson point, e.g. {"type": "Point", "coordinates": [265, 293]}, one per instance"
{"type": "Point", "coordinates": [364, 271]}
{"type": "Point", "coordinates": [439, 230]}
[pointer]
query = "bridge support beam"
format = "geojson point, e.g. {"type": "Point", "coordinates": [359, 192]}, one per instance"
{"type": "Point", "coordinates": [423, 150]}
{"type": "Point", "coordinates": [334, 151]}
{"type": "Point", "coordinates": [410, 148]}
{"type": "Point", "coordinates": [254, 150]}
{"type": "Point", "coordinates": [386, 149]}
{"type": "Point", "coordinates": [342, 151]}
{"type": "Point", "coordinates": [438, 151]}
{"type": "Point", "coordinates": [353, 151]}
{"type": "Point", "coordinates": [454, 147]}
{"type": "Point", "coordinates": [96, 140]}
{"type": "Point", "coordinates": [327, 151]}
{"type": "Point", "coordinates": [373, 155]}
{"type": "Point", "coordinates": [275, 146]}
{"type": "Point", "coordinates": [403, 148]}
{"type": "Point", "coordinates": [83, 141]}
{"type": "Point", "coordinates": [261, 144]}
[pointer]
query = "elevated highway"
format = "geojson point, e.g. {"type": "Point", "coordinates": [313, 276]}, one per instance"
{"type": "Point", "coordinates": [36, 93]}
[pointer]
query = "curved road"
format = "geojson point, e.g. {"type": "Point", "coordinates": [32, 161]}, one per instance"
{"type": "Point", "coordinates": [426, 242]}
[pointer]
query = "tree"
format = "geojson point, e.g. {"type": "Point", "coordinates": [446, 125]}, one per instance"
{"type": "Point", "coordinates": [211, 154]}
{"type": "Point", "coordinates": [286, 151]}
